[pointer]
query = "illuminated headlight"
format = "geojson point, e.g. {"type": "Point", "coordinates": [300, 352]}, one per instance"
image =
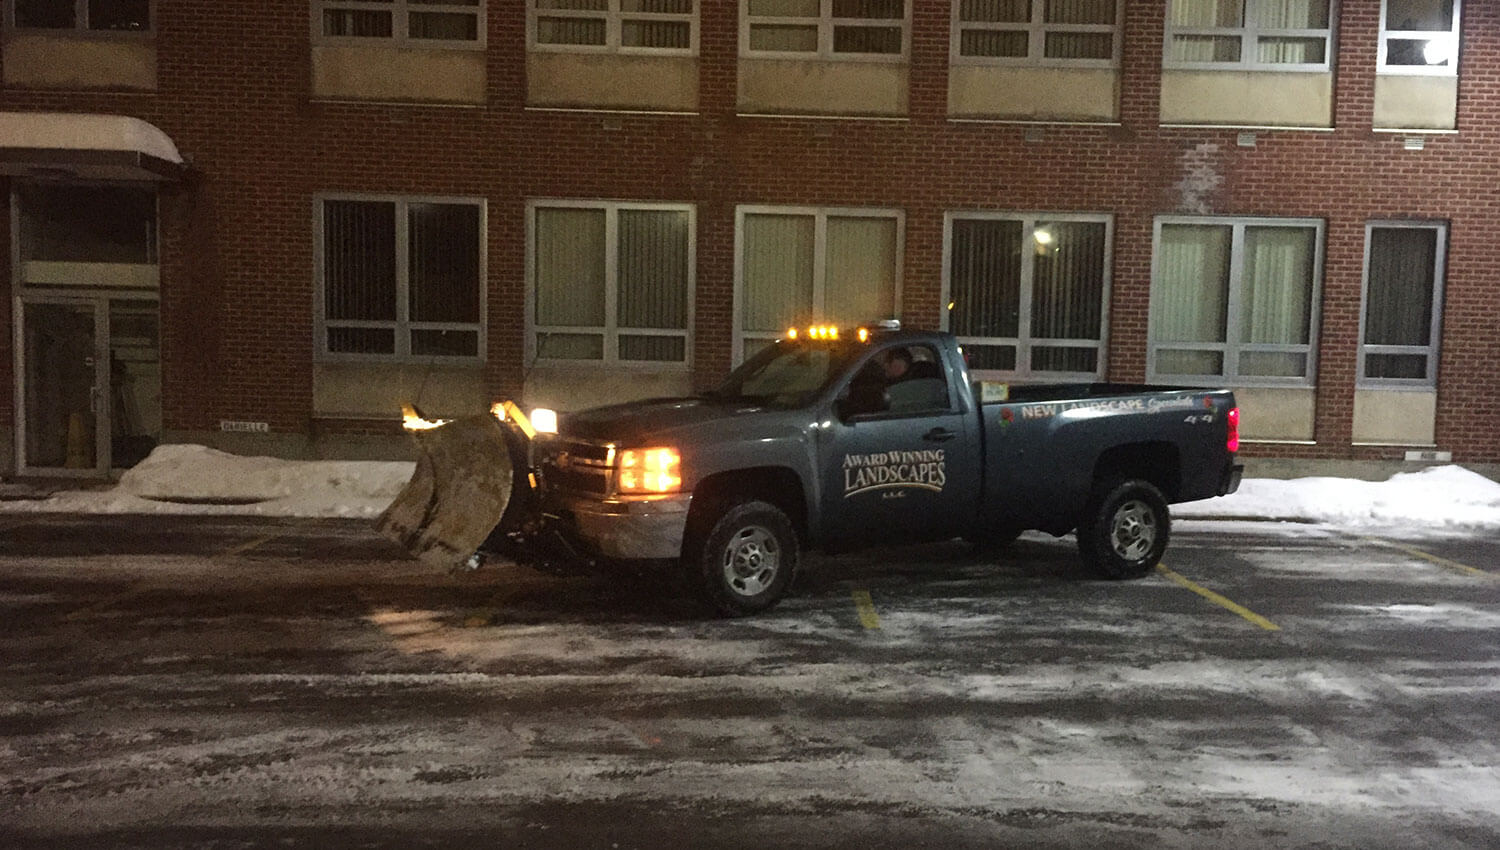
{"type": "Point", "coordinates": [649, 471]}
{"type": "Point", "coordinates": [544, 420]}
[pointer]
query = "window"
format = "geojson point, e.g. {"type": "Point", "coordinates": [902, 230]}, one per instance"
{"type": "Point", "coordinates": [87, 15]}
{"type": "Point", "coordinates": [1235, 299]}
{"type": "Point", "coordinates": [1403, 303]}
{"type": "Point", "coordinates": [1026, 295]}
{"type": "Point", "coordinates": [1082, 33]}
{"type": "Point", "coordinates": [625, 26]}
{"type": "Point", "coordinates": [824, 28]}
{"type": "Point", "coordinates": [797, 265]}
{"type": "Point", "coordinates": [401, 278]}
{"type": "Point", "coordinates": [610, 283]}
{"type": "Point", "coordinates": [1280, 35]}
{"type": "Point", "coordinates": [432, 22]}
{"type": "Point", "coordinates": [87, 224]}
{"type": "Point", "coordinates": [1419, 37]}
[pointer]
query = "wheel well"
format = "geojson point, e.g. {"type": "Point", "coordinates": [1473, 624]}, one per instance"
{"type": "Point", "coordinates": [1156, 462]}
{"type": "Point", "coordinates": [775, 484]}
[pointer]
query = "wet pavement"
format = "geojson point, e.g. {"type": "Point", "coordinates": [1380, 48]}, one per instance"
{"type": "Point", "coordinates": [246, 682]}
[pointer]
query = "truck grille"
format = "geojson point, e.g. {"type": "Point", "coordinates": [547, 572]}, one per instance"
{"type": "Point", "coordinates": [576, 466]}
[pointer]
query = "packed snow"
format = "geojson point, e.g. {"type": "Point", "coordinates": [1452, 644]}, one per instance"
{"type": "Point", "coordinates": [197, 479]}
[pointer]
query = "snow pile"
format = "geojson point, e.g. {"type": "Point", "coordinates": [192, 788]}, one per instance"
{"type": "Point", "coordinates": [1436, 497]}
{"type": "Point", "coordinates": [197, 479]}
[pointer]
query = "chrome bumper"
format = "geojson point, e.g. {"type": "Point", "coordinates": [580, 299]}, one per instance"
{"type": "Point", "coordinates": [635, 529]}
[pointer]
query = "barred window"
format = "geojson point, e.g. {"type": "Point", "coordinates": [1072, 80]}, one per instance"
{"type": "Point", "coordinates": [1269, 35]}
{"type": "Point", "coordinates": [446, 23]}
{"type": "Point", "coordinates": [1081, 33]}
{"type": "Point", "coordinates": [401, 278]}
{"type": "Point", "coordinates": [610, 282]}
{"type": "Point", "coordinates": [86, 15]}
{"type": "Point", "coordinates": [825, 28]}
{"type": "Point", "coordinates": [624, 26]}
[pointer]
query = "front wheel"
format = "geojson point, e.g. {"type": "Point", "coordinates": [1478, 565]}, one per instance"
{"type": "Point", "coordinates": [745, 560]}
{"type": "Point", "coordinates": [1125, 529]}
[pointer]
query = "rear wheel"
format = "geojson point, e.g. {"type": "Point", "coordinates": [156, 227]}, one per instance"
{"type": "Point", "coordinates": [1125, 529]}
{"type": "Point", "coordinates": [744, 559]}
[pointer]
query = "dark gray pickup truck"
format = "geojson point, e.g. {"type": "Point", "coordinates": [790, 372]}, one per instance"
{"type": "Point", "coordinates": [861, 439]}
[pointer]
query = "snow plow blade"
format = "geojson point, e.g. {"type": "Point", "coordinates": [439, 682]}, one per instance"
{"type": "Point", "coordinates": [456, 496]}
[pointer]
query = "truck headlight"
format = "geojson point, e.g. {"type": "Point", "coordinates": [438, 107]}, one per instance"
{"type": "Point", "coordinates": [642, 471]}
{"type": "Point", "coordinates": [544, 420]}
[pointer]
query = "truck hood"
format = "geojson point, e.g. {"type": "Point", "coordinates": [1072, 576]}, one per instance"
{"type": "Point", "coordinates": [641, 422]}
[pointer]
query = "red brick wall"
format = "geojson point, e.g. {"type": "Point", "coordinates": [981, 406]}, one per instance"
{"type": "Point", "coordinates": [238, 276]}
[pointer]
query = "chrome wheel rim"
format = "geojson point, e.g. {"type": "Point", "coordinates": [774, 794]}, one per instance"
{"type": "Point", "coordinates": [751, 560]}
{"type": "Point", "coordinates": [1133, 531]}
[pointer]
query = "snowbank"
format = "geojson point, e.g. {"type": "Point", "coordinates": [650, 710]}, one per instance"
{"type": "Point", "coordinates": [1436, 497]}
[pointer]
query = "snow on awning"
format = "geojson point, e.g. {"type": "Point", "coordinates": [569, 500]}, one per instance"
{"type": "Point", "coordinates": [90, 147]}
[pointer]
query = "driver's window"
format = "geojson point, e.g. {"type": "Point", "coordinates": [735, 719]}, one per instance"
{"type": "Point", "coordinates": [900, 379]}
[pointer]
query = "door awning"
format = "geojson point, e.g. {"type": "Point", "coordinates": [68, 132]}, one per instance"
{"type": "Point", "coordinates": [59, 145]}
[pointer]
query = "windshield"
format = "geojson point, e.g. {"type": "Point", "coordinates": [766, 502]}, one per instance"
{"type": "Point", "coordinates": [787, 374]}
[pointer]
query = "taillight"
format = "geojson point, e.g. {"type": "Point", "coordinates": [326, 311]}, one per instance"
{"type": "Point", "coordinates": [1233, 442]}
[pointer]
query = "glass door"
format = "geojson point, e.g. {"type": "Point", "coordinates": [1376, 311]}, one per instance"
{"type": "Point", "coordinates": [62, 381]}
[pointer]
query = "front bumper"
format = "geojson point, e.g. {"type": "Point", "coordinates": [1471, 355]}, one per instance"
{"type": "Point", "coordinates": [629, 530]}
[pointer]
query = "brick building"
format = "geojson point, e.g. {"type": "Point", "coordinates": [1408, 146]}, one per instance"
{"type": "Point", "coordinates": [263, 225]}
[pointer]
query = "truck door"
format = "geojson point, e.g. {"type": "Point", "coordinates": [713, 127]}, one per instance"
{"type": "Point", "coordinates": [899, 456]}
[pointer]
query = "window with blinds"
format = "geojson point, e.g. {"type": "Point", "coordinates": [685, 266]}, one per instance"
{"type": "Point", "coordinates": [1419, 37]}
{"type": "Point", "coordinates": [401, 279]}
{"type": "Point", "coordinates": [1283, 35]}
{"type": "Point", "coordinates": [1026, 295]}
{"type": "Point", "coordinates": [1403, 303]}
{"type": "Point", "coordinates": [610, 283]}
{"type": "Point", "coordinates": [622, 26]}
{"type": "Point", "coordinates": [91, 15]}
{"type": "Point", "coordinates": [1235, 299]}
{"type": "Point", "coordinates": [825, 28]}
{"type": "Point", "coordinates": [1075, 33]}
{"type": "Point", "coordinates": [799, 266]}
{"type": "Point", "coordinates": [437, 23]}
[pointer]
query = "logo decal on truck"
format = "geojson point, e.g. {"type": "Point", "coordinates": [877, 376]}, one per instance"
{"type": "Point", "coordinates": [884, 470]}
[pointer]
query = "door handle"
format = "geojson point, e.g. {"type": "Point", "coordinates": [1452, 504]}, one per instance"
{"type": "Point", "coordinates": [939, 435]}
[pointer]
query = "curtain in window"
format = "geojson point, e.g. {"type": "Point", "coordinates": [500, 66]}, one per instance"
{"type": "Point", "coordinates": [875, 9]}
{"type": "Point", "coordinates": [359, 260]}
{"type": "Point", "coordinates": [985, 278]}
{"type": "Point", "coordinates": [861, 262]}
{"type": "Point", "coordinates": [1191, 297]}
{"type": "Point", "coordinates": [1207, 13]}
{"type": "Point", "coordinates": [778, 273]}
{"type": "Point", "coordinates": [658, 7]}
{"type": "Point", "coordinates": [1080, 11]}
{"type": "Point", "coordinates": [1291, 14]}
{"type": "Point", "coordinates": [357, 23]}
{"type": "Point", "coordinates": [1398, 305]}
{"type": "Point", "coordinates": [995, 11]}
{"type": "Point", "coordinates": [784, 38]}
{"type": "Point", "coordinates": [569, 276]}
{"type": "Point", "coordinates": [443, 253]}
{"type": "Point", "coordinates": [1080, 45]}
{"type": "Point", "coordinates": [445, 26]}
{"type": "Point", "coordinates": [1276, 287]}
{"type": "Point", "coordinates": [785, 8]}
{"type": "Point", "coordinates": [653, 269]}
{"type": "Point", "coordinates": [663, 34]}
{"type": "Point", "coordinates": [570, 31]}
{"type": "Point", "coordinates": [1068, 288]}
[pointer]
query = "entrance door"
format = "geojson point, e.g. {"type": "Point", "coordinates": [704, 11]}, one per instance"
{"type": "Point", "coordinates": [63, 377]}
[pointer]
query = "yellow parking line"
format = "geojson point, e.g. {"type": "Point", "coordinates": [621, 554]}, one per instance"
{"type": "Point", "coordinates": [1219, 600]}
{"type": "Point", "coordinates": [246, 547]}
{"type": "Point", "coordinates": [1427, 556]}
{"type": "Point", "coordinates": [866, 608]}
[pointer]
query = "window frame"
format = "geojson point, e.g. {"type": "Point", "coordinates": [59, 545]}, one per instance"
{"type": "Point", "coordinates": [1449, 70]}
{"type": "Point", "coordinates": [1250, 35]}
{"type": "Point", "coordinates": [400, 24]}
{"type": "Point", "coordinates": [1439, 277]}
{"type": "Point", "coordinates": [826, 24]}
{"type": "Point", "coordinates": [1024, 341]}
{"type": "Point", "coordinates": [1036, 30]}
{"type": "Point", "coordinates": [610, 330]}
{"type": "Point", "coordinates": [402, 325]}
{"type": "Point", "coordinates": [1231, 347]}
{"type": "Point", "coordinates": [820, 261]}
{"type": "Point", "coordinates": [614, 20]}
{"type": "Point", "coordinates": [80, 28]}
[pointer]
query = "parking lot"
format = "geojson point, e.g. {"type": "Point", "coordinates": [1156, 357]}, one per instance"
{"type": "Point", "coordinates": [190, 682]}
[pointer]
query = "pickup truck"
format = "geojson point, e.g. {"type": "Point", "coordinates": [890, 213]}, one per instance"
{"type": "Point", "coordinates": [841, 441]}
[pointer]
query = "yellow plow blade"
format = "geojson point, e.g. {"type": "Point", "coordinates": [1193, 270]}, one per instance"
{"type": "Point", "coordinates": [457, 494]}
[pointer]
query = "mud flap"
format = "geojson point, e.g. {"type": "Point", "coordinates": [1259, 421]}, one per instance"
{"type": "Point", "coordinates": [462, 484]}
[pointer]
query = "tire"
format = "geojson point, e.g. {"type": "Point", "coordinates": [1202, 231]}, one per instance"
{"type": "Point", "coordinates": [1125, 529]}
{"type": "Point", "coordinates": [744, 560]}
